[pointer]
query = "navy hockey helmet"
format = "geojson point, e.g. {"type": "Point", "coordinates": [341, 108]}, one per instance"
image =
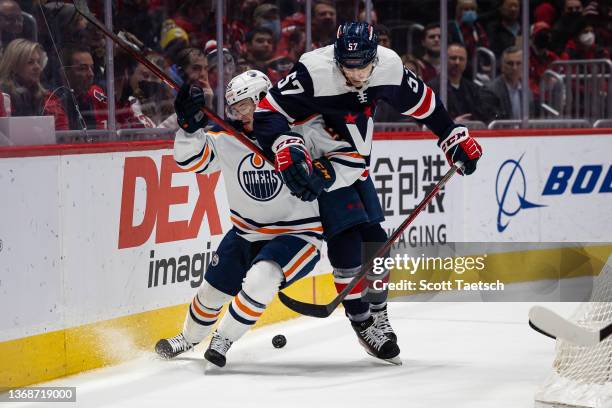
{"type": "Point", "coordinates": [356, 44]}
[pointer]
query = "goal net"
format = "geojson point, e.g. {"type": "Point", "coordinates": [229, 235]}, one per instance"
{"type": "Point", "coordinates": [582, 376]}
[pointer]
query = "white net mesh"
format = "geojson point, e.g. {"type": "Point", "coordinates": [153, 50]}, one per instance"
{"type": "Point", "coordinates": [582, 376]}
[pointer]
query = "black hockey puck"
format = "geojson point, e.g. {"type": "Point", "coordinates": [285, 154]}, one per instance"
{"type": "Point", "coordinates": [279, 341]}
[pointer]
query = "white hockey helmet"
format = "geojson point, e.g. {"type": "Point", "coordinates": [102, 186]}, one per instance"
{"type": "Point", "coordinates": [250, 84]}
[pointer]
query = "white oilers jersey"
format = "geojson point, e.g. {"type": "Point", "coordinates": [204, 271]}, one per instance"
{"type": "Point", "coordinates": [317, 86]}
{"type": "Point", "coordinates": [261, 205]}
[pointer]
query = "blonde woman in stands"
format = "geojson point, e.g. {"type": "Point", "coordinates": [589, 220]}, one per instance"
{"type": "Point", "coordinates": [21, 67]}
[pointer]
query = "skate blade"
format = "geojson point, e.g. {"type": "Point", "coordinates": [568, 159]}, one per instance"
{"type": "Point", "coordinates": [394, 360]}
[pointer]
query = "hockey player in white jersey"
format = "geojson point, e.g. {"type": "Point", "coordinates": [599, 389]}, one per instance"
{"type": "Point", "coordinates": [341, 84]}
{"type": "Point", "coordinates": [275, 237]}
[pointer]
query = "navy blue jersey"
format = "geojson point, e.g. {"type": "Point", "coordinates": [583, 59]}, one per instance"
{"type": "Point", "coordinates": [317, 86]}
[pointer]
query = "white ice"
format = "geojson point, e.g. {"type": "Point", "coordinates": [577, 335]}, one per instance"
{"type": "Point", "coordinates": [454, 355]}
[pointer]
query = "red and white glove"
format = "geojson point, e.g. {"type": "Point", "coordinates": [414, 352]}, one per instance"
{"type": "Point", "coordinates": [292, 162]}
{"type": "Point", "coordinates": [459, 146]}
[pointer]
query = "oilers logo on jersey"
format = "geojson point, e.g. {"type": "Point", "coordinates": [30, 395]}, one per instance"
{"type": "Point", "coordinates": [259, 183]}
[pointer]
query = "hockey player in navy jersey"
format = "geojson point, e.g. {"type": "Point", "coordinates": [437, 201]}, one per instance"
{"type": "Point", "coordinates": [275, 237]}
{"type": "Point", "coordinates": [339, 85]}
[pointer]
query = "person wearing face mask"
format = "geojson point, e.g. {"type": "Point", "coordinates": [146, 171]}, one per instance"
{"type": "Point", "coordinates": [266, 15]}
{"type": "Point", "coordinates": [566, 24]}
{"type": "Point", "coordinates": [504, 30]}
{"type": "Point", "coordinates": [465, 29]}
{"type": "Point", "coordinates": [540, 55]}
{"type": "Point", "coordinates": [583, 44]}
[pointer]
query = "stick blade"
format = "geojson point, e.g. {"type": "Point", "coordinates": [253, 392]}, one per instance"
{"type": "Point", "coordinates": [306, 309]}
{"type": "Point", "coordinates": [551, 324]}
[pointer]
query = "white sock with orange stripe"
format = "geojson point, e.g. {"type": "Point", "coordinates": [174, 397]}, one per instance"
{"type": "Point", "coordinates": [260, 285]}
{"type": "Point", "coordinates": [203, 312]}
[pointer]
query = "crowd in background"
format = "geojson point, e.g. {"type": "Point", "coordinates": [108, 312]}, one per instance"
{"type": "Point", "coordinates": [53, 60]}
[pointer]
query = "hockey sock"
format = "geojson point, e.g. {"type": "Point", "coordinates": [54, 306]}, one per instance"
{"type": "Point", "coordinates": [375, 236]}
{"type": "Point", "coordinates": [203, 312]}
{"type": "Point", "coordinates": [356, 309]}
{"type": "Point", "coordinates": [260, 285]}
{"type": "Point", "coordinates": [344, 252]}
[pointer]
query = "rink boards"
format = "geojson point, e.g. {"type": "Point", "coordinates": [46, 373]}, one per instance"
{"type": "Point", "coordinates": [102, 246]}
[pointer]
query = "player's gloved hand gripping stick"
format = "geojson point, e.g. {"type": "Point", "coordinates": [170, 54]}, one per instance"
{"type": "Point", "coordinates": [314, 310]}
{"type": "Point", "coordinates": [133, 50]}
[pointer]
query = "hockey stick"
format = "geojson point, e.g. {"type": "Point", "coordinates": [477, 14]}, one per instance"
{"type": "Point", "coordinates": [315, 310]}
{"type": "Point", "coordinates": [133, 50]}
{"type": "Point", "coordinates": [550, 324]}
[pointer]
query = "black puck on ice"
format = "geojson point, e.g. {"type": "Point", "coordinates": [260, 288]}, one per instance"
{"type": "Point", "coordinates": [279, 341]}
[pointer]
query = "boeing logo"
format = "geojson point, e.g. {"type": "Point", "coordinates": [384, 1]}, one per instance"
{"type": "Point", "coordinates": [510, 192]}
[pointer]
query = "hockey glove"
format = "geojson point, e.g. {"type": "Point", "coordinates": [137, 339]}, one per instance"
{"type": "Point", "coordinates": [188, 105]}
{"type": "Point", "coordinates": [292, 162]}
{"type": "Point", "coordinates": [323, 176]}
{"type": "Point", "coordinates": [459, 146]}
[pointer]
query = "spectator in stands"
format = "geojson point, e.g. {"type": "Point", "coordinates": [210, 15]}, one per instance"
{"type": "Point", "coordinates": [85, 103]}
{"type": "Point", "coordinates": [603, 26]}
{"type": "Point", "coordinates": [540, 55]}
{"type": "Point", "coordinates": [193, 17]}
{"type": "Point", "coordinates": [384, 35]}
{"type": "Point", "coordinates": [296, 45]}
{"type": "Point", "coordinates": [266, 15]}
{"type": "Point", "coordinates": [173, 40]}
{"type": "Point", "coordinates": [11, 21]}
{"type": "Point", "coordinates": [463, 101]}
{"type": "Point", "coordinates": [566, 24]}
{"type": "Point", "coordinates": [504, 94]}
{"type": "Point", "coordinates": [260, 48]}
{"type": "Point", "coordinates": [431, 59]}
{"type": "Point", "coordinates": [229, 65]}
{"type": "Point", "coordinates": [545, 12]}
{"type": "Point", "coordinates": [599, 15]}
{"type": "Point", "coordinates": [323, 23]}
{"type": "Point", "coordinates": [241, 24]}
{"type": "Point", "coordinates": [21, 66]}
{"type": "Point", "coordinates": [146, 93]}
{"type": "Point", "coordinates": [505, 28]}
{"type": "Point", "coordinates": [583, 44]}
{"type": "Point", "coordinates": [465, 29]}
{"type": "Point", "coordinates": [66, 27]}
{"type": "Point", "coordinates": [192, 65]}
{"type": "Point", "coordinates": [97, 43]}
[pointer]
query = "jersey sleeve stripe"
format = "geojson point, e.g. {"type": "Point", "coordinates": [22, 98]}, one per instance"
{"type": "Point", "coordinates": [427, 107]}
{"type": "Point", "coordinates": [202, 161]}
{"type": "Point", "coordinates": [423, 106]}
{"type": "Point", "coordinates": [186, 162]}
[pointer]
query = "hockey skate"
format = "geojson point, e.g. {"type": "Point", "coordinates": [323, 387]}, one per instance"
{"type": "Point", "coordinates": [172, 347]}
{"type": "Point", "coordinates": [381, 321]}
{"type": "Point", "coordinates": [375, 342]}
{"type": "Point", "coordinates": [217, 349]}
